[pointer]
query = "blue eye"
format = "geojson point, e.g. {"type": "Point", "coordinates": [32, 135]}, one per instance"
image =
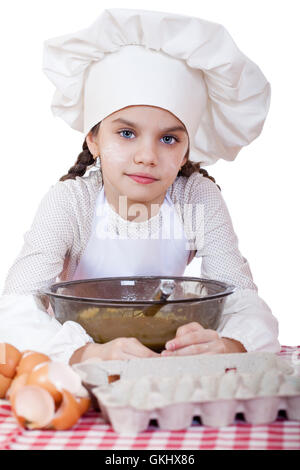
{"type": "Point", "coordinates": [168, 136]}
{"type": "Point", "coordinates": [125, 131]}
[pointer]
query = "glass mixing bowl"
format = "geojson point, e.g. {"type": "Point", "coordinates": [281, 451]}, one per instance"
{"type": "Point", "coordinates": [113, 307]}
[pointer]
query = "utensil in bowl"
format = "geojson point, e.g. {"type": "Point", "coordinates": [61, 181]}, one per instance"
{"type": "Point", "coordinates": [164, 291]}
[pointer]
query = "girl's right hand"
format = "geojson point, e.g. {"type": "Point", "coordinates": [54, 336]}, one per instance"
{"type": "Point", "coordinates": [119, 348]}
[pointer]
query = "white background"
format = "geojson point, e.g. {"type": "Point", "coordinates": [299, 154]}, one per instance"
{"type": "Point", "coordinates": [261, 187]}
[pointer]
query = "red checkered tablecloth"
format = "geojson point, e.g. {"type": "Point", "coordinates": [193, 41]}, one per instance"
{"type": "Point", "coordinates": [91, 432]}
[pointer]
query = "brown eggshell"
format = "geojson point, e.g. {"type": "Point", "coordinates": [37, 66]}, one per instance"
{"type": "Point", "coordinates": [39, 377]}
{"type": "Point", "coordinates": [4, 385]}
{"type": "Point", "coordinates": [84, 404]}
{"type": "Point", "coordinates": [18, 382]}
{"type": "Point", "coordinates": [29, 360]}
{"type": "Point", "coordinates": [113, 378]}
{"type": "Point", "coordinates": [33, 407]}
{"type": "Point", "coordinates": [68, 413]}
{"type": "Point", "coordinates": [12, 357]}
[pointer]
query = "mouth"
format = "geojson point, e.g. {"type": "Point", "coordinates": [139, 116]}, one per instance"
{"type": "Point", "coordinates": [142, 178]}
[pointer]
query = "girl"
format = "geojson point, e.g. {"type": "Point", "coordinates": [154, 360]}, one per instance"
{"type": "Point", "coordinates": [157, 95]}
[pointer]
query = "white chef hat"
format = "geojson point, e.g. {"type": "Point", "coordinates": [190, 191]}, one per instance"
{"type": "Point", "coordinates": [186, 65]}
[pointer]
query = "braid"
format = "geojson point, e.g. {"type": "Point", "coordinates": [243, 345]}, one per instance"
{"type": "Point", "coordinates": [191, 167]}
{"type": "Point", "coordinates": [84, 159]}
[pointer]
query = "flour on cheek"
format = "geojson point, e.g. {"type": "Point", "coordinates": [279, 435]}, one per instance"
{"type": "Point", "coordinates": [113, 151]}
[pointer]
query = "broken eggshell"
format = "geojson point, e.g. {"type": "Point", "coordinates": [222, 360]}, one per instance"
{"type": "Point", "coordinates": [29, 360]}
{"type": "Point", "coordinates": [18, 382]}
{"type": "Point", "coordinates": [68, 413]}
{"type": "Point", "coordinates": [34, 408]}
{"type": "Point", "coordinates": [51, 396]}
{"type": "Point", "coordinates": [55, 377]}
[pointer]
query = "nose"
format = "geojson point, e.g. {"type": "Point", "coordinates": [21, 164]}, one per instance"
{"type": "Point", "coordinates": [146, 153]}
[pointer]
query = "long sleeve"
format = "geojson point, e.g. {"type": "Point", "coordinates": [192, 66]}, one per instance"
{"type": "Point", "coordinates": [45, 246]}
{"type": "Point", "coordinates": [246, 317]}
{"type": "Point", "coordinates": [41, 260]}
{"type": "Point", "coordinates": [24, 325]}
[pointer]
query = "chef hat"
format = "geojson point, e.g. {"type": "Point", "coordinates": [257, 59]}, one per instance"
{"type": "Point", "coordinates": [186, 65]}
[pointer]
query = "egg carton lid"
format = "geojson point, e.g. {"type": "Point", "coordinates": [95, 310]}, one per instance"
{"type": "Point", "coordinates": [95, 371]}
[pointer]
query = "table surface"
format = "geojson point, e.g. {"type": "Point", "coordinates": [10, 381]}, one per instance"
{"type": "Point", "coordinates": [91, 432]}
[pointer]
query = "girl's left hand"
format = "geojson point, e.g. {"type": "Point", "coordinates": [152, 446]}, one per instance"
{"type": "Point", "coordinates": [192, 338]}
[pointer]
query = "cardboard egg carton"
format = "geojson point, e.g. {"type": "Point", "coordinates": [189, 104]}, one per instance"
{"type": "Point", "coordinates": [175, 390]}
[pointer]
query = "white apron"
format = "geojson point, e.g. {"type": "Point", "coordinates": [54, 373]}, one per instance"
{"type": "Point", "coordinates": [107, 256]}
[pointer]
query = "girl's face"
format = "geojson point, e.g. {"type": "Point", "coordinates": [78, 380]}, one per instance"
{"type": "Point", "coordinates": [139, 139]}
